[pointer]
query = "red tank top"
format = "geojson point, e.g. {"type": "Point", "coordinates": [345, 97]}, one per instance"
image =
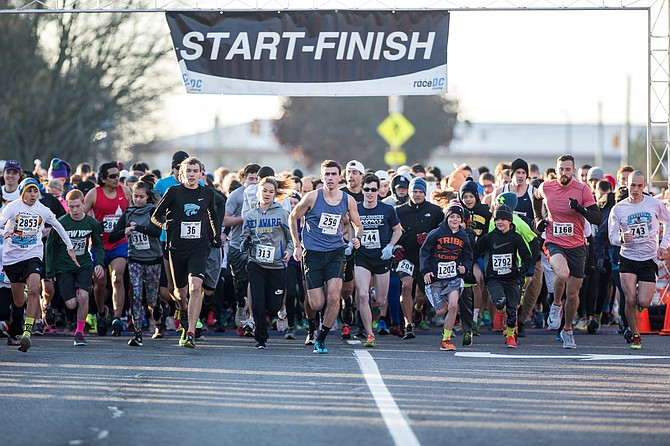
{"type": "Point", "coordinates": [108, 211]}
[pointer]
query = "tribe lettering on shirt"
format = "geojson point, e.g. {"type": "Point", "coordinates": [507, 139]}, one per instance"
{"type": "Point", "coordinates": [448, 248]}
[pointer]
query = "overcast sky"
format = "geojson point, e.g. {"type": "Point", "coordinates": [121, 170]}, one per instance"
{"type": "Point", "coordinates": [515, 66]}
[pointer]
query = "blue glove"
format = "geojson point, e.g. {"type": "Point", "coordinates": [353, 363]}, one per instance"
{"type": "Point", "coordinates": [387, 252]}
{"type": "Point", "coordinates": [349, 249]}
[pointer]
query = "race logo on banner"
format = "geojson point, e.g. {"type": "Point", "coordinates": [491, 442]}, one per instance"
{"type": "Point", "coordinates": [312, 53]}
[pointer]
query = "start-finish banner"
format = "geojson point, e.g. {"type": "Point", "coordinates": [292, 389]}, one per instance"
{"type": "Point", "coordinates": [312, 53]}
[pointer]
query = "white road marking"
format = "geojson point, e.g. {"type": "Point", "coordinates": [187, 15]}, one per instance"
{"type": "Point", "coordinates": [116, 413]}
{"type": "Point", "coordinates": [353, 342]}
{"type": "Point", "coordinates": [395, 420]}
{"type": "Point", "coordinates": [583, 357]}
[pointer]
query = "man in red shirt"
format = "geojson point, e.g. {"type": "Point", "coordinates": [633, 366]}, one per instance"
{"type": "Point", "coordinates": [568, 204]}
{"type": "Point", "coordinates": [108, 201]}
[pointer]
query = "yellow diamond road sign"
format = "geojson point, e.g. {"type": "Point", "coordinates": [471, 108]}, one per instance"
{"type": "Point", "coordinates": [395, 130]}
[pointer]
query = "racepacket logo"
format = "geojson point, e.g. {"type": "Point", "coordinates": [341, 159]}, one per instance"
{"type": "Point", "coordinates": [342, 45]}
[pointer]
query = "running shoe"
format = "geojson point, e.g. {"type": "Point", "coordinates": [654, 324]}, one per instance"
{"type": "Point", "coordinates": [592, 325]}
{"type": "Point", "coordinates": [14, 341]}
{"type": "Point", "coordinates": [49, 315]}
{"type": "Point", "coordinates": [375, 325]}
{"type": "Point", "coordinates": [136, 340]}
{"type": "Point", "coordinates": [169, 324]}
{"type": "Point", "coordinates": [371, 341]}
{"type": "Point", "coordinates": [475, 329]}
{"type": "Point", "coordinates": [198, 329]}
{"type": "Point", "coordinates": [101, 322]}
{"type": "Point", "coordinates": [628, 335]}
{"type": "Point", "coordinates": [486, 317]}
{"type": "Point", "coordinates": [581, 324]}
{"type": "Point", "coordinates": [424, 326]}
{"type": "Point", "coordinates": [3, 329]}
{"type": "Point", "coordinates": [510, 342]}
{"type": "Point", "coordinates": [559, 336]}
{"type": "Point", "coordinates": [521, 330]}
{"type": "Point", "coordinates": [182, 337]}
{"type": "Point", "coordinates": [261, 345]}
{"type": "Point", "coordinates": [360, 334]}
{"type": "Point", "coordinates": [346, 332]}
{"type": "Point", "coordinates": [381, 328]}
{"type": "Point", "coordinates": [639, 308]}
{"type": "Point", "coordinates": [320, 347]}
{"type": "Point", "coordinates": [499, 321]}
{"type": "Point", "coordinates": [290, 334]}
{"type": "Point", "coordinates": [49, 329]}
{"type": "Point", "coordinates": [447, 346]}
{"type": "Point", "coordinates": [555, 316]}
{"type": "Point", "coordinates": [409, 332]}
{"type": "Point", "coordinates": [249, 327]}
{"type": "Point", "coordinates": [79, 340]}
{"type": "Point", "coordinates": [568, 339]}
{"type": "Point", "coordinates": [467, 339]}
{"type": "Point", "coordinates": [190, 340]}
{"type": "Point", "coordinates": [117, 327]}
{"type": "Point", "coordinates": [538, 319]}
{"type": "Point", "coordinates": [210, 318]}
{"type": "Point", "coordinates": [183, 319]}
{"type": "Point", "coordinates": [311, 336]}
{"type": "Point", "coordinates": [38, 328]}
{"type": "Point", "coordinates": [396, 331]}
{"type": "Point", "coordinates": [160, 332]}
{"type": "Point", "coordinates": [240, 316]}
{"type": "Point", "coordinates": [636, 342]}
{"type": "Point", "coordinates": [282, 323]}
{"type": "Point", "coordinates": [25, 343]}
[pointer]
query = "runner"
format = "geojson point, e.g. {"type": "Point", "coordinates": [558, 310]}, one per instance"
{"type": "Point", "coordinates": [11, 174]}
{"type": "Point", "coordinates": [568, 203]}
{"type": "Point", "coordinates": [187, 212]}
{"type": "Point", "coordinates": [23, 250]}
{"type": "Point", "coordinates": [265, 232]}
{"type": "Point", "coordinates": [325, 211]}
{"type": "Point", "coordinates": [418, 217]}
{"type": "Point", "coordinates": [145, 255]}
{"type": "Point", "coordinates": [74, 281]}
{"type": "Point", "coordinates": [381, 231]}
{"type": "Point", "coordinates": [634, 225]}
{"type": "Point", "coordinates": [107, 202]}
{"type": "Point", "coordinates": [504, 275]}
{"type": "Point", "coordinates": [445, 259]}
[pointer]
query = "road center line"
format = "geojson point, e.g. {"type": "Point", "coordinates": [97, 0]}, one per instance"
{"type": "Point", "coordinates": [395, 420]}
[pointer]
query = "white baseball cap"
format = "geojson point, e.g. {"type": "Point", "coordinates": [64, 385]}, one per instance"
{"type": "Point", "coordinates": [383, 175]}
{"type": "Point", "coordinates": [355, 164]}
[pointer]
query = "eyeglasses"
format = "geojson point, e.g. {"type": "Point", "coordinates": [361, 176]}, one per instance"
{"type": "Point", "coordinates": [370, 189]}
{"type": "Point", "coordinates": [113, 176]}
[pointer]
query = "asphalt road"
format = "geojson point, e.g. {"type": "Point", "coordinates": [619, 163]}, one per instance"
{"type": "Point", "coordinates": [226, 392]}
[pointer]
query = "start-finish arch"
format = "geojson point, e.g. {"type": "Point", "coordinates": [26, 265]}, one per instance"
{"type": "Point", "coordinates": [658, 33]}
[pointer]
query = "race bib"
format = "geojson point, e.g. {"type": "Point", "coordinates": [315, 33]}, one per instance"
{"type": "Point", "coordinates": [563, 229]}
{"type": "Point", "coordinates": [640, 232]}
{"type": "Point", "coordinates": [265, 253]}
{"type": "Point", "coordinates": [79, 245]}
{"type": "Point", "coordinates": [190, 229]}
{"type": "Point", "coordinates": [446, 270]}
{"type": "Point", "coordinates": [405, 266]}
{"type": "Point", "coordinates": [28, 224]}
{"type": "Point", "coordinates": [502, 263]}
{"type": "Point", "coordinates": [329, 223]}
{"type": "Point", "coordinates": [139, 241]}
{"type": "Point", "coordinates": [370, 239]}
{"type": "Point", "coordinates": [108, 223]}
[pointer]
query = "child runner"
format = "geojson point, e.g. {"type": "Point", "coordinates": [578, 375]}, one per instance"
{"type": "Point", "coordinates": [267, 236]}
{"type": "Point", "coordinates": [445, 258]}
{"type": "Point", "coordinates": [501, 249]}
{"type": "Point", "coordinates": [144, 254]}
{"type": "Point", "coordinates": [74, 282]}
{"type": "Point", "coordinates": [23, 250]}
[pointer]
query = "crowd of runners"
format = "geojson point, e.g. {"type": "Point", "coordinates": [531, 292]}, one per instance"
{"type": "Point", "coordinates": [366, 253]}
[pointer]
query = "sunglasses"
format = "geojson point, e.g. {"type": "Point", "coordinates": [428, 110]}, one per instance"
{"type": "Point", "coordinates": [113, 176]}
{"type": "Point", "coordinates": [370, 189]}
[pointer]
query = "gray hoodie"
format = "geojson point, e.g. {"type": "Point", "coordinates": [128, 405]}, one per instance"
{"type": "Point", "coordinates": [267, 235]}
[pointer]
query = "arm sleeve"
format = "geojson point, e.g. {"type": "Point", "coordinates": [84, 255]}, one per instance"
{"type": "Point", "coordinates": [613, 228]}
{"type": "Point", "coordinates": [119, 230]}
{"type": "Point", "coordinates": [96, 241]}
{"type": "Point", "coordinates": [158, 216]}
{"type": "Point", "coordinates": [538, 199]}
{"type": "Point", "coordinates": [214, 220]}
{"type": "Point", "coordinates": [593, 214]}
{"type": "Point", "coordinates": [151, 230]}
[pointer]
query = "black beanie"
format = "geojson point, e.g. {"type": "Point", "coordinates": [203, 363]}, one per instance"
{"type": "Point", "coordinates": [503, 212]}
{"type": "Point", "coordinates": [519, 164]}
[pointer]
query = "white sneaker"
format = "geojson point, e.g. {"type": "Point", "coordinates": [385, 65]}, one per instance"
{"type": "Point", "coordinates": [309, 340]}
{"type": "Point", "coordinates": [568, 339]}
{"type": "Point", "coordinates": [240, 316]}
{"type": "Point", "coordinates": [282, 323]}
{"type": "Point", "coordinates": [555, 316]}
{"type": "Point", "coordinates": [250, 324]}
{"type": "Point", "coordinates": [581, 324]}
{"type": "Point", "coordinates": [169, 324]}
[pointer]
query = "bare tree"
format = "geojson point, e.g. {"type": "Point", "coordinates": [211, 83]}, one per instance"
{"type": "Point", "coordinates": [78, 86]}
